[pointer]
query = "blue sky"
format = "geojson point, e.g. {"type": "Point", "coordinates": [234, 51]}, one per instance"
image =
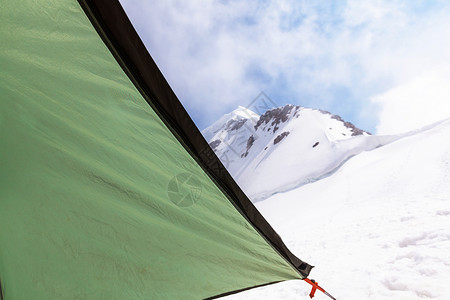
{"type": "Point", "coordinates": [382, 65]}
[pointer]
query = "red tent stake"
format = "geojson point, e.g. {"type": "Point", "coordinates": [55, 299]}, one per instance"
{"type": "Point", "coordinates": [315, 286]}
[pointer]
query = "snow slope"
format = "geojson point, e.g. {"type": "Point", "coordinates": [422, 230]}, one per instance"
{"type": "Point", "coordinates": [377, 228]}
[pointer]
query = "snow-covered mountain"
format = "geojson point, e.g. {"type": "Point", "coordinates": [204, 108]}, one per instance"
{"type": "Point", "coordinates": [285, 147]}
{"type": "Point", "coordinates": [376, 225]}
{"type": "Point", "coordinates": [378, 228]}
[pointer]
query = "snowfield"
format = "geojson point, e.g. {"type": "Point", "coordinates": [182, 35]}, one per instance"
{"type": "Point", "coordinates": [377, 227]}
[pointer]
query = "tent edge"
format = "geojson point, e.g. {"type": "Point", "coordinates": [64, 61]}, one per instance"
{"type": "Point", "coordinates": [175, 117]}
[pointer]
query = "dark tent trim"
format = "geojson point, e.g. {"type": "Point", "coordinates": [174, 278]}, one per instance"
{"type": "Point", "coordinates": [117, 32]}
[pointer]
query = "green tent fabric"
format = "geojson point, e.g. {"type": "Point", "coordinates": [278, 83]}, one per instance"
{"type": "Point", "coordinates": [107, 189]}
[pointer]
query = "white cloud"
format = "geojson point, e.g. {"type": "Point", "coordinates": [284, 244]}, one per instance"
{"type": "Point", "coordinates": [208, 49]}
{"type": "Point", "coordinates": [419, 102]}
{"type": "Point", "coordinates": [416, 60]}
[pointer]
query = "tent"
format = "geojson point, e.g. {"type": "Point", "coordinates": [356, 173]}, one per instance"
{"type": "Point", "coordinates": [107, 188]}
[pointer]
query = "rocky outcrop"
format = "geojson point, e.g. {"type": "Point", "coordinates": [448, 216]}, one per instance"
{"type": "Point", "coordinates": [276, 116]}
{"type": "Point", "coordinates": [280, 137]}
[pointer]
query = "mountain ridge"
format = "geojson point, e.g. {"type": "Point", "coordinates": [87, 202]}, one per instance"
{"type": "Point", "coordinates": [249, 145]}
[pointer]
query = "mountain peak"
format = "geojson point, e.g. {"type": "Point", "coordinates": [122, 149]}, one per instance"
{"type": "Point", "coordinates": [229, 122]}
{"type": "Point", "coordinates": [290, 144]}
{"type": "Point", "coordinates": [244, 112]}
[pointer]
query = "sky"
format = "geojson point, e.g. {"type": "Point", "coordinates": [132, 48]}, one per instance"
{"type": "Point", "coordinates": [382, 65]}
